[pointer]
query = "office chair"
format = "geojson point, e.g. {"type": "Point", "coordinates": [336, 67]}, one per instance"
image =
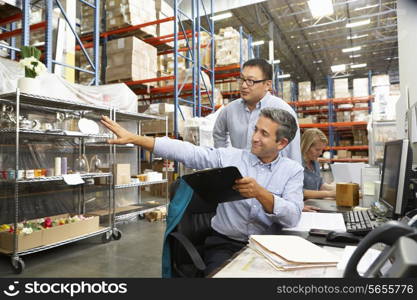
{"type": "Point", "coordinates": [187, 239]}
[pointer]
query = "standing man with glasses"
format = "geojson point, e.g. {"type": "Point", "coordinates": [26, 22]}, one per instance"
{"type": "Point", "coordinates": [237, 120]}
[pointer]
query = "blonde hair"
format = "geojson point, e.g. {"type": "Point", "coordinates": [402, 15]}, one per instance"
{"type": "Point", "coordinates": [311, 136]}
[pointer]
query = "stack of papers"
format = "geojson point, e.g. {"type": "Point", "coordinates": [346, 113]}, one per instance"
{"type": "Point", "coordinates": [288, 252]}
{"type": "Point", "coordinates": [309, 220]}
{"type": "Point", "coordinates": [347, 172]}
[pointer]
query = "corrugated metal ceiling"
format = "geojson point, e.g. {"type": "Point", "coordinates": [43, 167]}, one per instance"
{"type": "Point", "coordinates": [307, 47]}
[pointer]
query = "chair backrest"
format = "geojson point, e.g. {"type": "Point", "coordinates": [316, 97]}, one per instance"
{"type": "Point", "coordinates": [195, 225]}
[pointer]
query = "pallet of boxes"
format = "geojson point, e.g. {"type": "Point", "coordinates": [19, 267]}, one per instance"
{"type": "Point", "coordinates": [304, 94]}
{"type": "Point", "coordinates": [228, 45]}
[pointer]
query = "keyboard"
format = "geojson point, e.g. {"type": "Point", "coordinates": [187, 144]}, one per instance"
{"type": "Point", "coordinates": [359, 222]}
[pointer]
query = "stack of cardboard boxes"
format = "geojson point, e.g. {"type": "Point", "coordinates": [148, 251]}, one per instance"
{"type": "Point", "coordinates": [130, 58]}
{"type": "Point", "coordinates": [228, 45]}
{"type": "Point", "coordinates": [163, 11]}
{"type": "Point", "coordinates": [360, 89]}
{"type": "Point", "coordinates": [319, 94]}
{"type": "Point", "coordinates": [286, 93]}
{"type": "Point", "coordinates": [304, 91]}
{"type": "Point", "coordinates": [165, 109]}
{"type": "Point", "coordinates": [341, 88]}
{"type": "Point", "coordinates": [122, 13]}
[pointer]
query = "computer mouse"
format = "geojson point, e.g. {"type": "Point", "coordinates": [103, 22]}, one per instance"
{"type": "Point", "coordinates": [342, 237]}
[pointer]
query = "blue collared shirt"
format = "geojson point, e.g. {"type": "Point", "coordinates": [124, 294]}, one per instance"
{"type": "Point", "coordinates": [312, 178]}
{"type": "Point", "coordinates": [238, 219]}
{"type": "Point", "coordinates": [237, 122]}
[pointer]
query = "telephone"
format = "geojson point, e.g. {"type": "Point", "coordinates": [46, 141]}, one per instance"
{"type": "Point", "coordinates": [400, 250]}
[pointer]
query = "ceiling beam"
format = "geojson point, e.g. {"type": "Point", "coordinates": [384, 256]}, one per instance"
{"type": "Point", "coordinates": [307, 11]}
{"type": "Point", "coordinates": [282, 43]}
{"type": "Point", "coordinates": [327, 37]}
{"type": "Point", "coordinates": [342, 20]}
{"type": "Point", "coordinates": [391, 39]}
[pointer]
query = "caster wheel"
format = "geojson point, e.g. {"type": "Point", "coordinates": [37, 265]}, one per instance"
{"type": "Point", "coordinates": [106, 237]}
{"type": "Point", "coordinates": [116, 234]}
{"type": "Point", "coordinates": [18, 265]}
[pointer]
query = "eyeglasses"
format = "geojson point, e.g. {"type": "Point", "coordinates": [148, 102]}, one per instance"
{"type": "Point", "coordinates": [249, 82]}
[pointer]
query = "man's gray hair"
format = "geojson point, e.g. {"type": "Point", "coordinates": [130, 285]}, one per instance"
{"type": "Point", "coordinates": [288, 125]}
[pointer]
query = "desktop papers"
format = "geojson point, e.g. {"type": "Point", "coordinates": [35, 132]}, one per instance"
{"type": "Point", "coordinates": [324, 221]}
{"type": "Point", "coordinates": [347, 172]}
{"type": "Point", "coordinates": [288, 252]}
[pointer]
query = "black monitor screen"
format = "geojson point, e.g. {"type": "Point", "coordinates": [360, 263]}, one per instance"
{"type": "Point", "coordinates": [391, 172]}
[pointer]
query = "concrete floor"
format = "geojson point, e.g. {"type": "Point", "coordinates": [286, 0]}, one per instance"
{"type": "Point", "coordinates": [136, 254]}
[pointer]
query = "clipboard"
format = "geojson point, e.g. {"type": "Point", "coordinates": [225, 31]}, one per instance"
{"type": "Point", "coordinates": [215, 185]}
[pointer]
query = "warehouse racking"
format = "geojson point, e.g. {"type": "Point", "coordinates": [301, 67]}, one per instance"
{"type": "Point", "coordinates": [333, 128]}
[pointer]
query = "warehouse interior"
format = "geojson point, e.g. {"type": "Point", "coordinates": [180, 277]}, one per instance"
{"type": "Point", "coordinates": [170, 68]}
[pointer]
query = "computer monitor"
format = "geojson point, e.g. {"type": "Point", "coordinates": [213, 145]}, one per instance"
{"type": "Point", "coordinates": [395, 181]}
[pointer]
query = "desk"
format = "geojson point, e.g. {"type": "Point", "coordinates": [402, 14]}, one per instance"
{"type": "Point", "coordinates": [327, 205]}
{"type": "Point", "coordinates": [249, 264]}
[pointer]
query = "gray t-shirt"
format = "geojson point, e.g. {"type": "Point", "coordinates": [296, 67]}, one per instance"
{"type": "Point", "coordinates": [312, 178]}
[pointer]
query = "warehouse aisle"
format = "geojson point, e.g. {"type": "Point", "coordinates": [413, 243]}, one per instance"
{"type": "Point", "coordinates": [136, 254]}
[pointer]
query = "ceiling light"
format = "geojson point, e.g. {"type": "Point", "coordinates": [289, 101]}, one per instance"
{"type": "Point", "coordinates": [277, 61]}
{"type": "Point", "coordinates": [357, 48]}
{"type": "Point", "coordinates": [222, 16]}
{"type": "Point", "coordinates": [359, 23]}
{"type": "Point", "coordinates": [338, 68]}
{"type": "Point", "coordinates": [257, 43]}
{"type": "Point", "coordinates": [320, 8]}
{"type": "Point", "coordinates": [284, 76]}
{"type": "Point", "coordinates": [366, 7]}
{"type": "Point", "coordinates": [358, 66]}
{"type": "Point", "coordinates": [354, 37]}
{"type": "Point", "coordinates": [355, 55]}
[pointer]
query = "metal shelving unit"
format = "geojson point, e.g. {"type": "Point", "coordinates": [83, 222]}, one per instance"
{"type": "Point", "coordinates": [23, 102]}
{"type": "Point", "coordinates": [138, 118]}
{"type": "Point", "coordinates": [333, 128]}
{"type": "Point", "coordinates": [26, 102]}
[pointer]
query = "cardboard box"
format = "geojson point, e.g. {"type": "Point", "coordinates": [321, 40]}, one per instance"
{"type": "Point", "coordinates": [344, 154]}
{"type": "Point", "coordinates": [122, 13]}
{"type": "Point", "coordinates": [347, 194]}
{"type": "Point", "coordinates": [71, 230]}
{"type": "Point", "coordinates": [228, 47]}
{"type": "Point", "coordinates": [360, 87]}
{"type": "Point", "coordinates": [122, 173]}
{"type": "Point", "coordinates": [49, 235]}
{"type": "Point", "coordinates": [304, 91]}
{"type": "Point", "coordinates": [286, 93]}
{"type": "Point", "coordinates": [341, 88]}
{"type": "Point", "coordinates": [380, 80]}
{"type": "Point", "coordinates": [24, 242]}
{"type": "Point", "coordinates": [308, 120]}
{"type": "Point", "coordinates": [130, 59]}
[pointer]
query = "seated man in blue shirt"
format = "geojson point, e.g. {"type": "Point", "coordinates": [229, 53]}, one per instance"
{"type": "Point", "coordinates": [272, 184]}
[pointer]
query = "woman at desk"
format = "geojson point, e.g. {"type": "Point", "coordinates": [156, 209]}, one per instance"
{"type": "Point", "coordinates": [313, 142]}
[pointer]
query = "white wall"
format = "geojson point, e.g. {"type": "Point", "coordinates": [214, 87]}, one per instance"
{"type": "Point", "coordinates": [407, 50]}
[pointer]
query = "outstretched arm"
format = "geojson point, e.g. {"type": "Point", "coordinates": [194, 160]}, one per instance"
{"type": "Point", "coordinates": [126, 137]}
{"type": "Point", "coordinates": [192, 156]}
